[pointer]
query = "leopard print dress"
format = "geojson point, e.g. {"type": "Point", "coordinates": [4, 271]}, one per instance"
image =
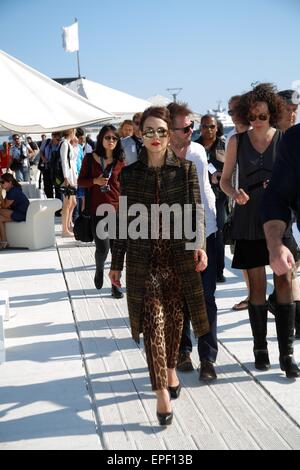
{"type": "Point", "coordinates": [163, 309]}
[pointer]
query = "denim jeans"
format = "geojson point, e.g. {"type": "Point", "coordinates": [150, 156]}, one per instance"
{"type": "Point", "coordinates": [207, 344]}
{"type": "Point", "coordinates": [23, 174]}
{"type": "Point", "coordinates": [221, 208]}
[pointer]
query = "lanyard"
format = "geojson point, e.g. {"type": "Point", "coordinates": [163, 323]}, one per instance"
{"type": "Point", "coordinates": [104, 169]}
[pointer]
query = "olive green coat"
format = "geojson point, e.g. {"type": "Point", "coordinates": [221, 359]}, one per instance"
{"type": "Point", "coordinates": [179, 184]}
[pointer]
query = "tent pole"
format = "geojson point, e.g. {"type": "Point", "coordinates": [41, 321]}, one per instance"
{"type": "Point", "coordinates": [78, 65]}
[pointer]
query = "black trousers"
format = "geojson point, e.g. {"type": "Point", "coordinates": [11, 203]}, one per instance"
{"type": "Point", "coordinates": [48, 184]}
{"type": "Point", "coordinates": [102, 246]}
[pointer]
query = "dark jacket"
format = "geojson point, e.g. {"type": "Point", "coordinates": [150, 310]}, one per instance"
{"type": "Point", "coordinates": [283, 191]}
{"type": "Point", "coordinates": [179, 184]}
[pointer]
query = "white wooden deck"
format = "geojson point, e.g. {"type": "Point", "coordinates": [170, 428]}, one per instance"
{"type": "Point", "coordinates": [60, 322]}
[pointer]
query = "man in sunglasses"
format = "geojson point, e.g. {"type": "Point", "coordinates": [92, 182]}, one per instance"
{"type": "Point", "coordinates": [215, 151]}
{"type": "Point", "coordinates": [183, 147]}
{"type": "Point", "coordinates": [133, 144]}
{"type": "Point", "coordinates": [20, 153]}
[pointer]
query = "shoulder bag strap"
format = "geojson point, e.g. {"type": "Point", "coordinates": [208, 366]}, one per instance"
{"type": "Point", "coordinates": [87, 190]}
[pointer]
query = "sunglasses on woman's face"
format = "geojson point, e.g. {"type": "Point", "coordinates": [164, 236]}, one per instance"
{"type": "Point", "coordinates": [161, 132]}
{"type": "Point", "coordinates": [261, 117]}
{"type": "Point", "coordinates": [111, 138]}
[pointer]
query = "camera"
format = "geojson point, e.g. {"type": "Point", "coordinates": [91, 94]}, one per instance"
{"type": "Point", "coordinates": [105, 189]}
{"type": "Point", "coordinates": [68, 190]}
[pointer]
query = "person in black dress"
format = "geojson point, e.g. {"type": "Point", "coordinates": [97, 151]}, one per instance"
{"type": "Point", "coordinates": [255, 152]}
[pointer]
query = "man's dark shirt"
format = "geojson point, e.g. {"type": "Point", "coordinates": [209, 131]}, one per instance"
{"type": "Point", "coordinates": [217, 148]}
{"type": "Point", "coordinates": [283, 191]}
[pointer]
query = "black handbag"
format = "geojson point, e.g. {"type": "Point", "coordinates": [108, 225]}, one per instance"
{"type": "Point", "coordinates": [82, 228]}
{"type": "Point", "coordinates": [83, 225]}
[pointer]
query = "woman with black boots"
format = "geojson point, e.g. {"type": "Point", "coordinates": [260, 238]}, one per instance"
{"type": "Point", "coordinates": [99, 174]}
{"type": "Point", "coordinates": [255, 152]}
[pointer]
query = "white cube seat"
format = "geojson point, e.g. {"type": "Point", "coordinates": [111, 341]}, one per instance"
{"type": "Point", "coordinates": [38, 231]}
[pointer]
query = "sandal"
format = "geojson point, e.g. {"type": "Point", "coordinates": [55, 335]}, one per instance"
{"type": "Point", "coordinates": [242, 305]}
{"type": "Point", "coordinates": [3, 245]}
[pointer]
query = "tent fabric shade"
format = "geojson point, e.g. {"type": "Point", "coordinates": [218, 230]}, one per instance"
{"type": "Point", "coordinates": [114, 101]}
{"type": "Point", "coordinates": [31, 102]}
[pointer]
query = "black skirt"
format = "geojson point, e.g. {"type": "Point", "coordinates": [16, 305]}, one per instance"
{"type": "Point", "coordinates": [249, 254]}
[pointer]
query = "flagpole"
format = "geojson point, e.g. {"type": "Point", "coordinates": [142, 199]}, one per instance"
{"type": "Point", "coordinates": [78, 63]}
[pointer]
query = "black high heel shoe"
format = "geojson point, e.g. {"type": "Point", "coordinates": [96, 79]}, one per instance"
{"type": "Point", "coordinates": [165, 419]}
{"type": "Point", "coordinates": [174, 391]}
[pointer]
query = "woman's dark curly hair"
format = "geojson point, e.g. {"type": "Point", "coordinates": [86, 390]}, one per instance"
{"type": "Point", "coordinates": [118, 152]}
{"type": "Point", "coordinates": [264, 92]}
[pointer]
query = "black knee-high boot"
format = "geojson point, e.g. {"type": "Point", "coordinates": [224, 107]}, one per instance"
{"type": "Point", "coordinates": [285, 323]}
{"type": "Point", "coordinates": [297, 320]}
{"type": "Point", "coordinates": [258, 315]}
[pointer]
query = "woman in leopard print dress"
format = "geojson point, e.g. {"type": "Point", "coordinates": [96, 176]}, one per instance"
{"type": "Point", "coordinates": [161, 273]}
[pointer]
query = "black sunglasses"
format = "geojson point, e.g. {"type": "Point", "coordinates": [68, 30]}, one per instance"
{"type": "Point", "coordinates": [208, 126]}
{"type": "Point", "coordinates": [261, 117]}
{"type": "Point", "coordinates": [185, 129]}
{"type": "Point", "coordinates": [231, 112]}
{"type": "Point", "coordinates": [111, 137]}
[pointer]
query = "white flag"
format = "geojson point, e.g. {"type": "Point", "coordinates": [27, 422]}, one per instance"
{"type": "Point", "coordinates": [70, 38]}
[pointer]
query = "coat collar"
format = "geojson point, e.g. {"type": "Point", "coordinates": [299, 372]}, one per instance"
{"type": "Point", "coordinates": [171, 159]}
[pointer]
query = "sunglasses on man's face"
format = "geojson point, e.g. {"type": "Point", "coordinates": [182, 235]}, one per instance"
{"type": "Point", "coordinates": [231, 112]}
{"type": "Point", "coordinates": [185, 129]}
{"type": "Point", "coordinates": [208, 126]}
{"type": "Point", "coordinates": [261, 117]}
{"type": "Point", "coordinates": [111, 138]}
{"type": "Point", "coordinates": [150, 133]}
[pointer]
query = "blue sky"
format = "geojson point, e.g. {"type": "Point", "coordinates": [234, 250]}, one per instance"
{"type": "Point", "coordinates": [211, 49]}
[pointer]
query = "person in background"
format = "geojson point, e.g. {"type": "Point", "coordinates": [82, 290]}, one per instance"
{"type": "Point", "coordinates": [215, 151]}
{"type": "Point", "coordinates": [89, 145]}
{"type": "Point", "coordinates": [69, 168]}
{"type": "Point", "coordinates": [20, 154]}
{"type": "Point", "coordinates": [49, 145]}
{"type": "Point", "coordinates": [126, 129]}
{"type": "Point", "coordinates": [220, 131]}
{"type": "Point", "coordinates": [184, 148]}
{"type": "Point", "coordinates": [34, 158]}
{"type": "Point", "coordinates": [133, 144]}
{"type": "Point", "coordinates": [14, 207]}
{"type": "Point", "coordinates": [5, 159]}
{"type": "Point", "coordinates": [255, 151]}
{"type": "Point", "coordinates": [43, 138]}
{"type": "Point", "coordinates": [161, 272]}
{"type": "Point", "coordinates": [78, 144]}
{"type": "Point", "coordinates": [289, 115]}
{"type": "Point", "coordinates": [104, 188]}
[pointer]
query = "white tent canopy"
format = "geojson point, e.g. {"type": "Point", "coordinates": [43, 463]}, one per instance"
{"type": "Point", "coordinates": [30, 102]}
{"type": "Point", "coordinates": [114, 101]}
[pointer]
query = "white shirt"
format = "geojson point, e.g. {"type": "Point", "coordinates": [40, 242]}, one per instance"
{"type": "Point", "coordinates": [69, 171]}
{"type": "Point", "coordinates": [129, 147]}
{"type": "Point", "coordinates": [196, 154]}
